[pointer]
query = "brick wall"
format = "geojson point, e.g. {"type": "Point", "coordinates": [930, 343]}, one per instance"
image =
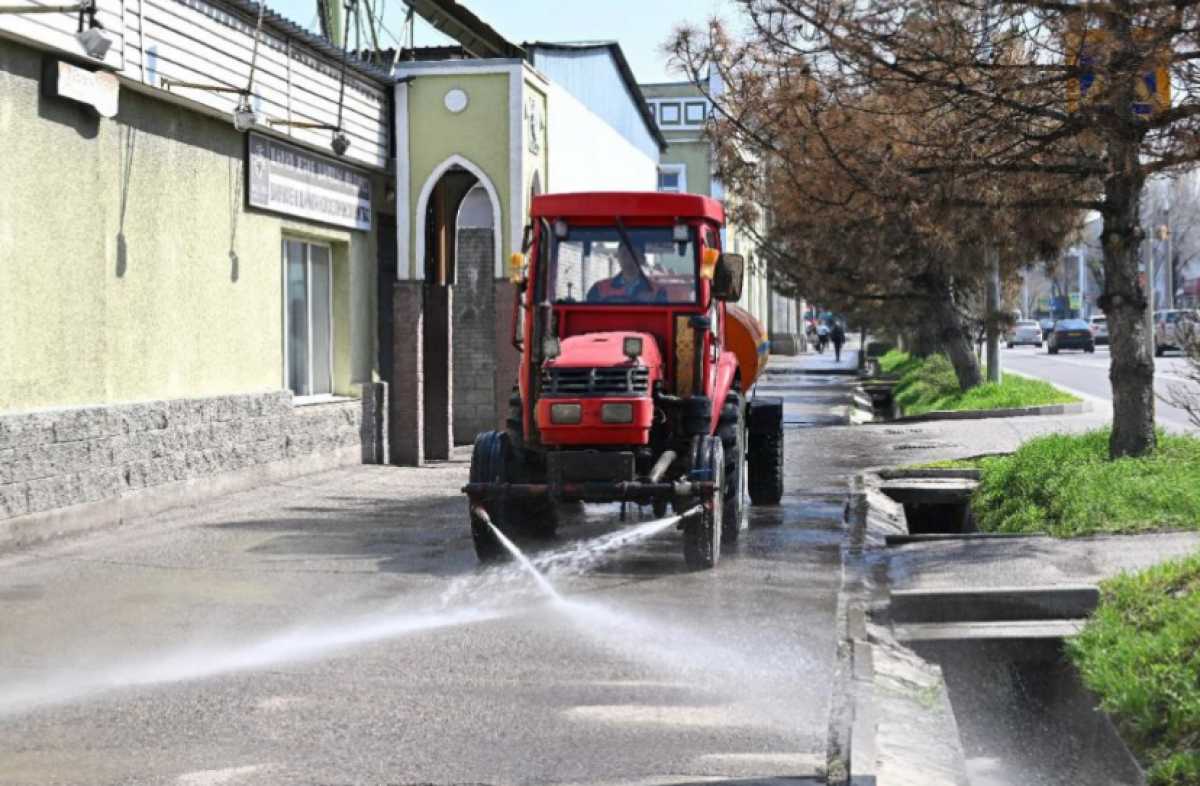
{"type": "Point", "coordinates": [61, 458]}
{"type": "Point", "coordinates": [474, 339]}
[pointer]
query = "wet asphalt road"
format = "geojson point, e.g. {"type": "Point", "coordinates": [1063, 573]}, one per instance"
{"type": "Point", "coordinates": [335, 629]}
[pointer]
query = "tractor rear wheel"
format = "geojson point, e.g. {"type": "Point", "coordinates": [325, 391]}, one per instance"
{"type": "Point", "coordinates": [732, 430]}
{"type": "Point", "coordinates": [702, 533]}
{"type": "Point", "coordinates": [765, 454]}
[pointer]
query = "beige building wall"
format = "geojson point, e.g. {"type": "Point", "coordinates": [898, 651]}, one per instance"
{"type": "Point", "coordinates": [132, 269]}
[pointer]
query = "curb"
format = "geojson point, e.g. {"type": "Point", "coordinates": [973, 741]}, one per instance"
{"type": "Point", "coordinates": [993, 604]}
{"type": "Point", "coordinates": [891, 720]}
{"type": "Point", "coordinates": [1078, 408]}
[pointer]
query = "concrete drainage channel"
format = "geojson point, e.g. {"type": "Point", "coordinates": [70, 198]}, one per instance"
{"type": "Point", "coordinates": [957, 685]}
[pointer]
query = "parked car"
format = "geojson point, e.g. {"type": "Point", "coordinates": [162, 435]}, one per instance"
{"type": "Point", "coordinates": [1070, 334]}
{"type": "Point", "coordinates": [1170, 327]}
{"type": "Point", "coordinates": [1025, 331]}
{"type": "Point", "coordinates": [1099, 326]}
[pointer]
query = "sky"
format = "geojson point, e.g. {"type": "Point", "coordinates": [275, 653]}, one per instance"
{"type": "Point", "coordinates": [641, 26]}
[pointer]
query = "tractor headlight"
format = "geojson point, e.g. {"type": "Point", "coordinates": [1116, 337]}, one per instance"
{"type": "Point", "coordinates": [616, 413]}
{"type": "Point", "coordinates": [566, 414]}
{"type": "Point", "coordinates": [632, 347]}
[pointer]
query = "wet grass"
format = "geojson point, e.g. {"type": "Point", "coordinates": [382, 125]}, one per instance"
{"type": "Point", "coordinates": [929, 385]}
{"type": "Point", "coordinates": [1140, 653]}
{"type": "Point", "coordinates": [1066, 486]}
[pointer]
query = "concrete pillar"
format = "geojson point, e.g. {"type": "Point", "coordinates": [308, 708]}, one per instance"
{"type": "Point", "coordinates": [508, 362]}
{"type": "Point", "coordinates": [406, 390]}
{"type": "Point", "coordinates": [374, 423]}
{"type": "Point", "coordinates": [439, 372]}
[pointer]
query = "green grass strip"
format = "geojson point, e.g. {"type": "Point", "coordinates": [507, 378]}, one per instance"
{"type": "Point", "coordinates": [1140, 653]}
{"type": "Point", "coordinates": [929, 385]}
{"type": "Point", "coordinates": [1065, 485]}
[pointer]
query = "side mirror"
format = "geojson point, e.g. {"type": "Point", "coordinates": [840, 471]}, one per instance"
{"type": "Point", "coordinates": [728, 277]}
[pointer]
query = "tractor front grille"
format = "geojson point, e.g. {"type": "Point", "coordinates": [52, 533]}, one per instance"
{"type": "Point", "coordinates": [583, 382]}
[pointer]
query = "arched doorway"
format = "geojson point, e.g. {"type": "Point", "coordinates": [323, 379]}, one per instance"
{"type": "Point", "coordinates": [458, 347]}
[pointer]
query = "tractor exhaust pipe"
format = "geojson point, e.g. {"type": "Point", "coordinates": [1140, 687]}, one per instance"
{"type": "Point", "coordinates": [662, 465]}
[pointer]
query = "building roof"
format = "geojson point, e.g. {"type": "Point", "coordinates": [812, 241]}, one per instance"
{"type": "Point", "coordinates": [283, 26]}
{"type": "Point", "coordinates": [631, 84]}
{"type": "Point", "coordinates": [476, 36]}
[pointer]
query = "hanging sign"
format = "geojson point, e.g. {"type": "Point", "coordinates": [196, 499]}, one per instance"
{"type": "Point", "coordinates": [286, 179]}
{"type": "Point", "coordinates": [98, 89]}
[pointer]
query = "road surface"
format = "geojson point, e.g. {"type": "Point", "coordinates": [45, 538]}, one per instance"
{"type": "Point", "coordinates": [335, 629]}
{"type": "Point", "coordinates": [1087, 374]}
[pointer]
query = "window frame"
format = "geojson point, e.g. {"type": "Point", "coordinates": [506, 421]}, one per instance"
{"type": "Point", "coordinates": [550, 268]}
{"type": "Point", "coordinates": [690, 105]}
{"type": "Point", "coordinates": [679, 169]}
{"type": "Point", "coordinates": [662, 113]}
{"type": "Point", "coordinates": [307, 244]}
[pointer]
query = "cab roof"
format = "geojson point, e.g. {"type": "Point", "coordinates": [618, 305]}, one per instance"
{"type": "Point", "coordinates": [627, 204]}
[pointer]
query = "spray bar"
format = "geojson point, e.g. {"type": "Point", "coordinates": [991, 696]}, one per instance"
{"type": "Point", "coordinates": [593, 491]}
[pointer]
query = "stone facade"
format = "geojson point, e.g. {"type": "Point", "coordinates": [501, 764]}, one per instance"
{"type": "Point", "coordinates": [60, 458]}
{"type": "Point", "coordinates": [474, 336]}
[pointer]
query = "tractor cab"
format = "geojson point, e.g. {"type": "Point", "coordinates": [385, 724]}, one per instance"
{"type": "Point", "coordinates": [634, 364]}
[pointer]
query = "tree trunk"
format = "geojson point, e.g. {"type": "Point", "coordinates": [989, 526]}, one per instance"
{"type": "Point", "coordinates": [954, 339]}
{"type": "Point", "coordinates": [1131, 368]}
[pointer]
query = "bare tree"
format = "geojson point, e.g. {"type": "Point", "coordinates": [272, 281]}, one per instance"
{"type": "Point", "coordinates": [1186, 395]}
{"type": "Point", "coordinates": [1074, 94]}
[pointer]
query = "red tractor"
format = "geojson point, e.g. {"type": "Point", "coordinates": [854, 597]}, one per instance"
{"type": "Point", "coordinates": [634, 368]}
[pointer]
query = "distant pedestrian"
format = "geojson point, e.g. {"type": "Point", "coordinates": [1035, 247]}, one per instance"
{"type": "Point", "coordinates": [838, 336]}
{"type": "Point", "coordinates": [822, 337]}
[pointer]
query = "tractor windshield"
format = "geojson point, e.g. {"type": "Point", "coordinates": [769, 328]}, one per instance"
{"type": "Point", "coordinates": [623, 265]}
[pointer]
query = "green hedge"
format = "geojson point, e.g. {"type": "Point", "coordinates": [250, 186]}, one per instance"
{"type": "Point", "coordinates": [1140, 653]}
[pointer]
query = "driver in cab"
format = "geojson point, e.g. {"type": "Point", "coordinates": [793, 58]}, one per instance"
{"type": "Point", "coordinates": [631, 285]}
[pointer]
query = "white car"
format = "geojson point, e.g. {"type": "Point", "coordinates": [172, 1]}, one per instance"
{"type": "Point", "coordinates": [1025, 331]}
{"type": "Point", "coordinates": [1099, 326]}
{"type": "Point", "coordinates": [1172, 327]}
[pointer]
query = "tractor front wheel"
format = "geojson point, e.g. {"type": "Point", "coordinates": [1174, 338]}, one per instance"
{"type": "Point", "coordinates": [493, 460]}
{"type": "Point", "coordinates": [702, 533]}
{"type": "Point", "coordinates": [732, 430]}
{"type": "Point", "coordinates": [490, 464]}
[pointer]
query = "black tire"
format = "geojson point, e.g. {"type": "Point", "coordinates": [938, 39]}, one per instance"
{"type": "Point", "coordinates": [534, 518]}
{"type": "Point", "coordinates": [1158, 351]}
{"type": "Point", "coordinates": [1052, 351]}
{"type": "Point", "coordinates": [702, 534]}
{"type": "Point", "coordinates": [731, 428]}
{"type": "Point", "coordinates": [764, 453]}
{"type": "Point", "coordinates": [490, 464]}
{"type": "Point", "coordinates": [494, 460]}
{"type": "Point", "coordinates": [1011, 345]}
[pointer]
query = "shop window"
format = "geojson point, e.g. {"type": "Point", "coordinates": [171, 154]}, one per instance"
{"type": "Point", "coordinates": [672, 178]}
{"type": "Point", "coordinates": [308, 318]}
{"type": "Point", "coordinates": [694, 113]}
{"type": "Point", "coordinates": [668, 114]}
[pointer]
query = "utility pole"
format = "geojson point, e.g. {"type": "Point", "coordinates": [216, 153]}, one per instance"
{"type": "Point", "coordinates": [1082, 282]}
{"type": "Point", "coordinates": [992, 253]}
{"type": "Point", "coordinates": [993, 315]}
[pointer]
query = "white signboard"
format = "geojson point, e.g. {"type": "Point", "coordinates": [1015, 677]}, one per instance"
{"type": "Point", "coordinates": [286, 179]}
{"type": "Point", "coordinates": [98, 89]}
